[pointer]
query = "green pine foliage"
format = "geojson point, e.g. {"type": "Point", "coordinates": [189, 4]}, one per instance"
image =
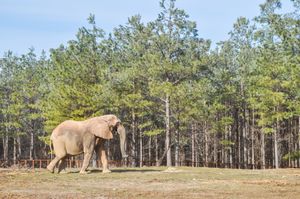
{"type": "Point", "coordinates": [163, 80]}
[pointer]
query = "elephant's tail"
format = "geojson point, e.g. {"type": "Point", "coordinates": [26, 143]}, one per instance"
{"type": "Point", "coordinates": [51, 149]}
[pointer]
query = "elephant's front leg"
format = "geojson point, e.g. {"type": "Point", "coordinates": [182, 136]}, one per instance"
{"type": "Point", "coordinates": [86, 162]}
{"type": "Point", "coordinates": [103, 157]}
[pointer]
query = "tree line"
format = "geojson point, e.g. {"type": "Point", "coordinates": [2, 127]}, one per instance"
{"type": "Point", "coordinates": [182, 101]}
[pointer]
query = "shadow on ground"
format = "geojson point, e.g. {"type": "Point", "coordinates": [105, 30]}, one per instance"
{"type": "Point", "coordinates": [117, 171]}
{"type": "Point", "coordinates": [130, 170]}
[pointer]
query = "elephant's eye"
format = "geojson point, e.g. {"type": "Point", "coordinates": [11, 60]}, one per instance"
{"type": "Point", "coordinates": [114, 129]}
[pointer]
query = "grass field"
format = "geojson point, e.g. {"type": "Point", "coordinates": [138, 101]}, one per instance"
{"type": "Point", "coordinates": [152, 182]}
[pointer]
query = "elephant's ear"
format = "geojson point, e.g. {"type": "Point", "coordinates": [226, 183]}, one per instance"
{"type": "Point", "coordinates": [101, 129]}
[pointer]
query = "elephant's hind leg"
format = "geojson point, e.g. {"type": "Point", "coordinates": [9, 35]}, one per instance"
{"type": "Point", "coordinates": [60, 153]}
{"type": "Point", "coordinates": [62, 164]}
{"type": "Point", "coordinates": [52, 164]}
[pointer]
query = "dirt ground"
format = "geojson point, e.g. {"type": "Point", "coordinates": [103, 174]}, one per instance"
{"type": "Point", "coordinates": [152, 182]}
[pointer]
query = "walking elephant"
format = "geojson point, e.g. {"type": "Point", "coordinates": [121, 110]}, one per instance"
{"type": "Point", "coordinates": [76, 137]}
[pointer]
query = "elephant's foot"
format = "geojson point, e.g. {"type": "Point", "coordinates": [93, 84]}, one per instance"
{"type": "Point", "coordinates": [63, 171]}
{"type": "Point", "coordinates": [51, 169]}
{"type": "Point", "coordinates": [106, 171]}
{"type": "Point", "coordinates": [84, 172]}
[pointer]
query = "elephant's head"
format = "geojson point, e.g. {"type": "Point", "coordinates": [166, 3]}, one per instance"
{"type": "Point", "coordinates": [104, 126]}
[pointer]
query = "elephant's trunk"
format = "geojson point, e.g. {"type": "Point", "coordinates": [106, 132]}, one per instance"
{"type": "Point", "coordinates": [122, 134]}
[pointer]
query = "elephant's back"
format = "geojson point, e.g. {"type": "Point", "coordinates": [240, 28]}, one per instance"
{"type": "Point", "coordinates": [67, 128]}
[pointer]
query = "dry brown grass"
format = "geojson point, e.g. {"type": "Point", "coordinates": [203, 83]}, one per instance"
{"type": "Point", "coordinates": [152, 182]}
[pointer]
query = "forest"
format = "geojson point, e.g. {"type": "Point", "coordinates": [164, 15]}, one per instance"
{"type": "Point", "coordinates": [182, 100]}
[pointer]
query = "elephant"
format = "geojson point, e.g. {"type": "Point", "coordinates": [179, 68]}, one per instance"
{"type": "Point", "coordinates": [72, 138]}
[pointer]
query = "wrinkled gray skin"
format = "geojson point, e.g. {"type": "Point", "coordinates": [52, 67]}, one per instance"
{"type": "Point", "coordinates": [76, 137]}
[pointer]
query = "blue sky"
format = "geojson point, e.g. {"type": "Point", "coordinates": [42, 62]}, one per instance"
{"type": "Point", "coordinates": [45, 24]}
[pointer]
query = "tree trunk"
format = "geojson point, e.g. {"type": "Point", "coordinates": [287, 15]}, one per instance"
{"type": "Point", "coordinates": [225, 153]}
{"type": "Point", "coordinates": [31, 150]}
{"type": "Point", "coordinates": [238, 141]}
{"type": "Point", "coordinates": [299, 140]}
{"type": "Point", "coordinates": [252, 140]}
{"type": "Point", "coordinates": [215, 150]}
{"type": "Point", "coordinates": [245, 147]}
{"type": "Point", "coordinates": [15, 151]}
{"type": "Point", "coordinates": [149, 151]}
{"type": "Point", "coordinates": [5, 146]}
{"type": "Point", "coordinates": [133, 131]}
{"type": "Point", "coordinates": [230, 149]}
{"type": "Point", "coordinates": [197, 149]}
{"type": "Point", "coordinates": [262, 149]}
{"type": "Point", "coordinates": [243, 142]}
{"type": "Point", "coordinates": [193, 145]}
{"type": "Point", "coordinates": [206, 144]}
{"type": "Point", "coordinates": [290, 143]}
{"type": "Point", "coordinates": [243, 126]}
{"type": "Point", "coordinates": [177, 145]}
{"type": "Point", "coordinates": [276, 144]}
{"type": "Point", "coordinates": [19, 147]}
{"type": "Point", "coordinates": [168, 133]}
{"type": "Point", "coordinates": [141, 148]}
{"type": "Point", "coordinates": [156, 151]}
